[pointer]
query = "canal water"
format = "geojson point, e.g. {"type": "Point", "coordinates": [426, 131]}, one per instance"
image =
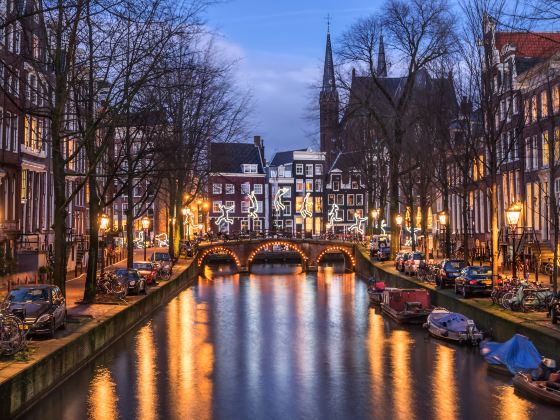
{"type": "Point", "coordinates": [278, 344]}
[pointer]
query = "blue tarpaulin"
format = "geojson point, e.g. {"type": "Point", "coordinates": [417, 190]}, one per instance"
{"type": "Point", "coordinates": [518, 354]}
{"type": "Point", "coordinates": [451, 321]}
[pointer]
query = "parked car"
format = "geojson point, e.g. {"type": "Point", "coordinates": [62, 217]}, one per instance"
{"type": "Point", "coordinates": [41, 307]}
{"type": "Point", "coordinates": [131, 278]}
{"type": "Point", "coordinates": [401, 262]}
{"type": "Point", "coordinates": [413, 262]}
{"type": "Point", "coordinates": [474, 279]}
{"type": "Point", "coordinates": [147, 270]}
{"type": "Point", "coordinates": [398, 257]}
{"type": "Point", "coordinates": [161, 259]}
{"type": "Point", "coordinates": [448, 271]}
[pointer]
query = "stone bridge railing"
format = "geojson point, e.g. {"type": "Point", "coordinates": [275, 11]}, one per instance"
{"type": "Point", "coordinates": [244, 251]}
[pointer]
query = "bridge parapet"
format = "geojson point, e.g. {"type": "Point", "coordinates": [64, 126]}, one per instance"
{"type": "Point", "coordinates": [244, 251]}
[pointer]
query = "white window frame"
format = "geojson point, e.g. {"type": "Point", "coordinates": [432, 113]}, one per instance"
{"type": "Point", "coordinates": [258, 188]}
{"type": "Point", "coordinates": [299, 169]}
{"type": "Point", "coordinates": [230, 189]}
{"type": "Point", "coordinates": [216, 189]}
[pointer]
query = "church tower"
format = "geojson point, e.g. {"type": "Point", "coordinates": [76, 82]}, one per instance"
{"type": "Point", "coordinates": [328, 108]}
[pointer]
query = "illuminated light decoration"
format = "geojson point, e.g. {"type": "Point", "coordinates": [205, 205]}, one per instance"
{"type": "Point", "coordinates": [218, 250]}
{"type": "Point", "coordinates": [383, 226]}
{"type": "Point", "coordinates": [277, 243]}
{"type": "Point", "coordinates": [224, 216]}
{"type": "Point", "coordinates": [278, 204]}
{"type": "Point", "coordinates": [333, 215]}
{"type": "Point", "coordinates": [340, 249]}
{"type": "Point", "coordinates": [358, 224]}
{"type": "Point", "coordinates": [253, 205]}
{"type": "Point", "coordinates": [303, 211]}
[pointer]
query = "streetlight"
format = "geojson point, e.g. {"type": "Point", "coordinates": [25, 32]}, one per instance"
{"type": "Point", "coordinates": [513, 213]}
{"type": "Point", "coordinates": [145, 226]}
{"type": "Point", "coordinates": [442, 217]}
{"type": "Point", "coordinates": [103, 225]}
{"type": "Point", "coordinates": [399, 220]}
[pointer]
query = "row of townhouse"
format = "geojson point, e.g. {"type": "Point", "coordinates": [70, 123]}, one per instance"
{"type": "Point", "coordinates": [525, 73]}
{"type": "Point", "coordinates": [294, 193]}
{"type": "Point", "coordinates": [26, 187]}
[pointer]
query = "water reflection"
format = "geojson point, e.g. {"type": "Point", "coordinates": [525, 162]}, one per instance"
{"type": "Point", "coordinates": [281, 344]}
{"type": "Point", "coordinates": [146, 368]}
{"type": "Point", "coordinates": [102, 398]}
{"type": "Point", "coordinates": [444, 386]}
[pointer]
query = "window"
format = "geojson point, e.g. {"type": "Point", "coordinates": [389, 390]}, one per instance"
{"type": "Point", "coordinates": [245, 207]}
{"type": "Point", "coordinates": [258, 188]}
{"type": "Point", "coordinates": [528, 150]}
{"type": "Point", "coordinates": [244, 225]}
{"type": "Point", "coordinates": [556, 98]}
{"type": "Point", "coordinates": [288, 209]}
{"type": "Point", "coordinates": [249, 168]}
{"type": "Point", "coordinates": [318, 204]}
{"type": "Point", "coordinates": [281, 171]}
{"type": "Point", "coordinates": [273, 173]}
{"type": "Point", "coordinates": [318, 169]}
{"type": "Point", "coordinates": [308, 185]}
{"type": "Point", "coordinates": [299, 169]}
{"type": "Point", "coordinates": [257, 225]}
{"type": "Point", "coordinates": [289, 225]}
{"type": "Point", "coordinates": [331, 198]}
{"type": "Point", "coordinates": [340, 199]}
{"type": "Point", "coordinates": [245, 188]}
{"type": "Point", "coordinates": [544, 104]}
{"type": "Point", "coordinates": [336, 185]}
{"type": "Point", "coordinates": [260, 207]}
{"type": "Point", "coordinates": [350, 214]}
{"type": "Point", "coordinates": [355, 185]}
{"type": "Point", "coordinates": [35, 46]}
{"type": "Point", "coordinates": [535, 146]}
{"type": "Point", "coordinates": [288, 192]}
{"type": "Point", "coordinates": [216, 206]}
{"type": "Point", "coordinates": [124, 208]}
{"type": "Point", "coordinates": [230, 189]}
{"type": "Point", "coordinates": [350, 199]}
{"type": "Point", "coordinates": [299, 185]}
{"type": "Point", "coordinates": [216, 188]}
{"type": "Point", "coordinates": [309, 170]}
{"type": "Point", "coordinates": [137, 190]}
{"type": "Point", "coordinates": [231, 204]}
{"type": "Point", "coordinates": [534, 108]}
{"type": "Point", "coordinates": [318, 185]}
{"type": "Point", "coordinates": [545, 153]}
{"type": "Point", "coordinates": [359, 199]}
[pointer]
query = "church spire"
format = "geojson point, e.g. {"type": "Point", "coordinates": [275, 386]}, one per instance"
{"type": "Point", "coordinates": [328, 71]}
{"type": "Point", "coordinates": [381, 62]}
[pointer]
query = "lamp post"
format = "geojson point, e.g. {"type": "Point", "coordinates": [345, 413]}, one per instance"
{"type": "Point", "coordinates": [374, 217]}
{"type": "Point", "coordinates": [145, 226]}
{"type": "Point", "coordinates": [442, 218]}
{"type": "Point", "coordinates": [205, 207]}
{"type": "Point", "coordinates": [399, 220]}
{"type": "Point", "coordinates": [513, 214]}
{"type": "Point", "coordinates": [103, 225]}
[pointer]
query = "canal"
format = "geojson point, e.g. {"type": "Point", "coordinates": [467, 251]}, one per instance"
{"type": "Point", "coordinates": [278, 344]}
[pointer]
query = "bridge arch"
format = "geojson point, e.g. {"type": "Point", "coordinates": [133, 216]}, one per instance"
{"type": "Point", "coordinates": [217, 250]}
{"type": "Point", "coordinates": [348, 255]}
{"type": "Point", "coordinates": [286, 244]}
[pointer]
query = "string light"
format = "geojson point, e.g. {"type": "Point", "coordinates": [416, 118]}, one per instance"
{"type": "Point", "coordinates": [224, 216]}
{"type": "Point", "coordinates": [277, 243]}
{"type": "Point", "coordinates": [333, 215]}
{"type": "Point", "coordinates": [303, 211]}
{"type": "Point", "coordinates": [333, 249]}
{"type": "Point", "coordinates": [218, 250]}
{"type": "Point", "coordinates": [358, 222]}
{"type": "Point", "coordinates": [278, 203]}
{"type": "Point", "coordinates": [253, 205]}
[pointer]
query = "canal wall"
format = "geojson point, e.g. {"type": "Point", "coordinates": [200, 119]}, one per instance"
{"type": "Point", "coordinates": [20, 391]}
{"type": "Point", "coordinates": [501, 324]}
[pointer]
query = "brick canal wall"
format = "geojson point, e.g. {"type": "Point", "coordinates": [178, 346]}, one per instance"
{"type": "Point", "coordinates": [18, 392]}
{"type": "Point", "coordinates": [501, 324]}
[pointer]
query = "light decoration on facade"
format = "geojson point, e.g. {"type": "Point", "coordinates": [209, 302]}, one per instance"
{"type": "Point", "coordinates": [383, 226]}
{"type": "Point", "coordinates": [266, 245]}
{"type": "Point", "coordinates": [303, 211]}
{"type": "Point", "coordinates": [278, 203]}
{"type": "Point", "coordinates": [218, 250]}
{"type": "Point", "coordinates": [337, 249]}
{"type": "Point", "coordinates": [253, 205]}
{"type": "Point", "coordinates": [333, 215]}
{"type": "Point", "coordinates": [358, 225]}
{"type": "Point", "coordinates": [224, 215]}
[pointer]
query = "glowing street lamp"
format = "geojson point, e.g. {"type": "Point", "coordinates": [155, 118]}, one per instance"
{"type": "Point", "coordinates": [103, 222]}
{"type": "Point", "coordinates": [443, 219]}
{"type": "Point", "coordinates": [399, 220]}
{"type": "Point", "coordinates": [513, 214]}
{"type": "Point", "coordinates": [145, 226]}
{"type": "Point", "coordinates": [103, 226]}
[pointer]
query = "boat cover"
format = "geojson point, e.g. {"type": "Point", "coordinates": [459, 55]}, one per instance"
{"type": "Point", "coordinates": [518, 354]}
{"type": "Point", "coordinates": [451, 321]}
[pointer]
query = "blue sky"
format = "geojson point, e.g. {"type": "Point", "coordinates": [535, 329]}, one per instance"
{"type": "Point", "coordinates": [281, 46]}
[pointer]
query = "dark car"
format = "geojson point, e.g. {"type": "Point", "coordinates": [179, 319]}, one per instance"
{"type": "Point", "coordinates": [147, 270]}
{"type": "Point", "coordinates": [474, 279]}
{"type": "Point", "coordinates": [411, 265]}
{"type": "Point", "coordinates": [448, 271]}
{"type": "Point", "coordinates": [133, 281]}
{"type": "Point", "coordinates": [161, 259]}
{"type": "Point", "coordinates": [41, 307]}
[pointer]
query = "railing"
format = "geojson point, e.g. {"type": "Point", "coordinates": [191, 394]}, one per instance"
{"type": "Point", "coordinates": [272, 234]}
{"type": "Point", "coordinates": [9, 226]}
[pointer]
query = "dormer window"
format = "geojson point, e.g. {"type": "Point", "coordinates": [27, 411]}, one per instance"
{"type": "Point", "coordinates": [249, 168]}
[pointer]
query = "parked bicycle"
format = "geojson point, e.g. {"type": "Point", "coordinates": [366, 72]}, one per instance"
{"type": "Point", "coordinates": [109, 284]}
{"type": "Point", "coordinates": [13, 335]}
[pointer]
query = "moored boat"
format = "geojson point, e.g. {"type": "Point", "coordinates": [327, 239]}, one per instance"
{"type": "Point", "coordinates": [408, 306]}
{"type": "Point", "coordinates": [375, 291]}
{"type": "Point", "coordinates": [453, 327]}
{"type": "Point", "coordinates": [545, 391]}
{"type": "Point", "coordinates": [518, 354]}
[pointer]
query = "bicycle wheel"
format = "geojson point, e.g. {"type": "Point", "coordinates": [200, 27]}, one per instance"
{"type": "Point", "coordinates": [506, 300]}
{"type": "Point", "coordinates": [118, 289]}
{"type": "Point", "coordinates": [12, 337]}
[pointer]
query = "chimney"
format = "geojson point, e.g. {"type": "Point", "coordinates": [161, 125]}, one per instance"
{"type": "Point", "coordinates": [259, 143]}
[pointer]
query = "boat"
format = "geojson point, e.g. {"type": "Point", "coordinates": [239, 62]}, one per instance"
{"type": "Point", "coordinates": [518, 354]}
{"type": "Point", "coordinates": [453, 327]}
{"type": "Point", "coordinates": [407, 306]}
{"type": "Point", "coordinates": [375, 291]}
{"type": "Point", "coordinates": [544, 391]}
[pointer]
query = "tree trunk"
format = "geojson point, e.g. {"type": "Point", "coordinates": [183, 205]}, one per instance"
{"type": "Point", "coordinates": [394, 203]}
{"type": "Point", "coordinates": [465, 222]}
{"type": "Point", "coordinates": [130, 225]}
{"type": "Point", "coordinates": [494, 228]}
{"type": "Point", "coordinates": [90, 286]}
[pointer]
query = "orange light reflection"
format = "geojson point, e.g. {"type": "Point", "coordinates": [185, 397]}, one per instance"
{"type": "Point", "coordinates": [444, 386]}
{"type": "Point", "coordinates": [102, 397]}
{"type": "Point", "coordinates": [402, 375]}
{"type": "Point", "coordinates": [146, 368]}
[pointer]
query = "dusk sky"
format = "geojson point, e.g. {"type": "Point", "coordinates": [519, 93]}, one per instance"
{"type": "Point", "coordinates": [281, 46]}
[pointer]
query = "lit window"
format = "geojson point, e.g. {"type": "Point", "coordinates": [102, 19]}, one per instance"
{"type": "Point", "coordinates": [216, 188]}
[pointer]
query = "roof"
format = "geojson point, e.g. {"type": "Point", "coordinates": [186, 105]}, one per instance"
{"type": "Point", "coordinates": [534, 44]}
{"type": "Point", "coordinates": [281, 158]}
{"type": "Point", "coordinates": [229, 157]}
{"type": "Point", "coordinates": [346, 161]}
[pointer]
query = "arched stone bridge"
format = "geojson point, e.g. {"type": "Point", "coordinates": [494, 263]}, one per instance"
{"type": "Point", "coordinates": [311, 251]}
